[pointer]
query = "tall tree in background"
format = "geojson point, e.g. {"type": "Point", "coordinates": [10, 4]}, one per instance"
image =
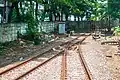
{"type": "Point", "coordinates": [114, 8]}
{"type": "Point", "coordinates": [14, 6]}
{"type": "Point", "coordinates": [89, 9]}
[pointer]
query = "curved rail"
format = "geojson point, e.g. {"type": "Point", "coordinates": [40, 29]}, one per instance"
{"type": "Point", "coordinates": [64, 62]}
{"type": "Point", "coordinates": [63, 51]}
{"type": "Point", "coordinates": [87, 71]}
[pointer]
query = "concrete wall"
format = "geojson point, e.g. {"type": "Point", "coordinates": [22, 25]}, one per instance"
{"type": "Point", "coordinates": [46, 26]}
{"type": "Point", "coordinates": [8, 32]}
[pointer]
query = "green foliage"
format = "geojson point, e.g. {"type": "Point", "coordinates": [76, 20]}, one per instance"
{"type": "Point", "coordinates": [114, 8]}
{"type": "Point", "coordinates": [32, 31]}
{"type": "Point", "coordinates": [15, 19]}
{"type": "Point", "coordinates": [91, 9]}
{"type": "Point", "coordinates": [116, 31]}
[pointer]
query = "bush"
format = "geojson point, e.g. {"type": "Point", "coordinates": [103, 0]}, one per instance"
{"type": "Point", "coordinates": [116, 31]}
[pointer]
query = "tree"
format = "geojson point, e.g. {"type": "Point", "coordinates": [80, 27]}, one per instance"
{"type": "Point", "coordinates": [114, 8]}
{"type": "Point", "coordinates": [90, 9]}
{"type": "Point", "coordinates": [14, 5]}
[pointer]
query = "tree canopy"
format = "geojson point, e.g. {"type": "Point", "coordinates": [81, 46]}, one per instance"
{"type": "Point", "coordinates": [80, 9]}
{"type": "Point", "coordinates": [114, 8]}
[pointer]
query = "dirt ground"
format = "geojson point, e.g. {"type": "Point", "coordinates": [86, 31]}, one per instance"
{"type": "Point", "coordinates": [16, 54]}
{"type": "Point", "coordinates": [95, 59]}
{"type": "Point", "coordinates": [102, 59]}
{"type": "Point", "coordinates": [113, 60]}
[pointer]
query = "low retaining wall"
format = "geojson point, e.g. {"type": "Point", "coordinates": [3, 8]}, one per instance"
{"type": "Point", "coordinates": [8, 32]}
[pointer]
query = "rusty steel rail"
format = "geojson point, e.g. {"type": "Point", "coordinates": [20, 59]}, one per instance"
{"type": "Point", "coordinates": [82, 60]}
{"type": "Point", "coordinates": [63, 75]}
{"type": "Point", "coordinates": [63, 59]}
{"type": "Point", "coordinates": [34, 57]}
{"type": "Point", "coordinates": [64, 66]}
{"type": "Point", "coordinates": [39, 65]}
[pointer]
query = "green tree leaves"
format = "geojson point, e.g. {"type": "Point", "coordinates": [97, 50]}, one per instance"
{"type": "Point", "coordinates": [80, 8]}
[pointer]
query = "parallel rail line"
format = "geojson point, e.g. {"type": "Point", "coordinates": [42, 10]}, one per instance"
{"type": "Point", "coordinates": [67, 45]}
{"type": "Point", "coordinates": [30, 59]}
{"type": "Point", "coordinates": [64, 62]}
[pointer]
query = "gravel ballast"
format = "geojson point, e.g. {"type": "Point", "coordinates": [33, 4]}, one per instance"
{"type": "Point", "coordinates": [49, 71]}
{"type": "Point", "coordinates": [75, 70]}
{"type": "Point", "coordinates": [95, 60]}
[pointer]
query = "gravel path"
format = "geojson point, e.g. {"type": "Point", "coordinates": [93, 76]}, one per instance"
{"type": "Point", "coordinates": [113, 61]}
{"type": "Point", "coordinates": [95, 60]}
{"type": "Point", "coordinates": [75, 70]}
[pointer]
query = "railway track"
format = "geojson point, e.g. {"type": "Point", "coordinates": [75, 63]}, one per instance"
{"type": "Point", "coordinates": [63, 52]}
{"type": "Point", "coordinates": [84, 64]}
{"type": "Point", "coordinates": [65, 72]}
{"type": "Point", "coordinates": [38, 54]}
{"type": "Point", "coordinates": [11, 70]}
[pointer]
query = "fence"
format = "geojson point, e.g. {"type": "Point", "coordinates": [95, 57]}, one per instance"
{"type": "Point", "coordinates": [82, 26]}
{"type": "Point", "coordinates": [8, 32]}
{"type": "Point", "coordinates": [85, 26]}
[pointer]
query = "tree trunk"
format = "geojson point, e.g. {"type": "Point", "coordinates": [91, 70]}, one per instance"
{"type": "Point", "coordinates": [4, 12]}
{"type": "Point", "coordinates": [74, 18]}
{"type": "Point", "coordinates": [61, 16]}
{"type": "Point", "coordinates": [78, 18]}
{"type": "Point", "coordinates": [66, 17]}
{"type": "Point", "coordinates": [22, 10]}
{"type": "Point", "coordinates": [10, 13]}
{"type": "Point", "coordinates": [17, 11]}
{"type": "Point", "coordinates": [50, 16]}
{"type": "Point", "coordinates": [32, 9]}
{"type": "Point", "coordinates": [36, 12]}
{"type": "Point", "coordinates": [55, 17]}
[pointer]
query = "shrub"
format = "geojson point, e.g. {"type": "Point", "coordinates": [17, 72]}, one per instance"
{"type": "Point", "coordinates": [116, 31]}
